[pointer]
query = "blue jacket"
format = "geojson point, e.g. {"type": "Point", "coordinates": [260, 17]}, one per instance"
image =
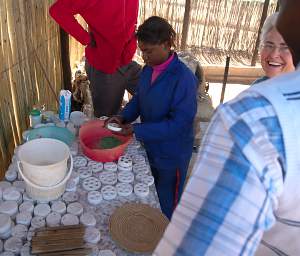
{"type": "Point", "coordinates": [167, 109]}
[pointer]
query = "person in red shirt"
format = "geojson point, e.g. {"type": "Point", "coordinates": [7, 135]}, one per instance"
{"type": "Point", "coordinates": [110, 46]}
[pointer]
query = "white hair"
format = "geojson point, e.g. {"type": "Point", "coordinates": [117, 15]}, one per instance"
{"type": "Point", "coordinates": [269, 24]}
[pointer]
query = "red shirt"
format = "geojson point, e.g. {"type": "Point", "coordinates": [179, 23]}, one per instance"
{"type": "Point", "coordinates": [113, 24]}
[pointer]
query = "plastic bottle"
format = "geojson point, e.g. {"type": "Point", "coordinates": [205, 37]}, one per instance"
{"type": "Point", "coordinates": [35, 117]}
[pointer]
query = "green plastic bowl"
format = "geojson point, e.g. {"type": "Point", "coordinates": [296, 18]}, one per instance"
{"type": "Point", "coordinates": [53, 132]}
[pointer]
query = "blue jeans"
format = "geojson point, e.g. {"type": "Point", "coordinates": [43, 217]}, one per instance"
{"type": "Point", "coordinates": [169, 185]}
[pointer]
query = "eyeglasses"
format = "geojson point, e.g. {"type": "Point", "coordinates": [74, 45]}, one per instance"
{"type": "Point", "coordinates": [284, 49]}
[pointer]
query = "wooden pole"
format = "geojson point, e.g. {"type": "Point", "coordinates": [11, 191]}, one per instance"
{"type": "Point", "coordinates": [186, 24]}
{"type": "Point", "coordinates": [225, 79]}
{"type": "Point", "coordinates": [262, 20]}
{"type": "Point", "coordinates": [65, 59]}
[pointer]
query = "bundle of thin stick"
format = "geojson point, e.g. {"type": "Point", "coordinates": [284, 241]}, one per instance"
{"type": "Point", "coordinates": [58, 241]}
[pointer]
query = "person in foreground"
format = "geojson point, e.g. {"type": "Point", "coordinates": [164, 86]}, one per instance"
{"type": "Point", "coordinates": [244, 195]}
{"type": "Point", "coordinates": [166, 104]}
{"type": "Point", "coordinates": [110, 45]}
{"type": "Point", "coordinates": [275, 55]}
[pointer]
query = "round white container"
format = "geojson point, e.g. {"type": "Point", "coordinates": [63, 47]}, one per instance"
{"type": "Point", "coordinates": [44, 161]}
{"type": "Point", "coordinates": [46, 193]}
{"type": "Point", "coordinates": [5, 224]}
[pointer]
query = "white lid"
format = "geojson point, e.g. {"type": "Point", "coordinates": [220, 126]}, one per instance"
{"type": "Point", "coordinates": [11, 194]}
{"type": "Point", "coordinates": [140, 168]}
{"type": "Point", "coordinates": [7, 254]}
{"type": "Point", "coordinates": [108, 178]}
{"type": "Point", "coordinates": [124, 189]}
{"type": "Point", "coordinates": [138, 159]}
{"type": "Point", "coordinates": [24, 218]}
{"type": "Point", "coordinates": [20, 185]}
{"type": "Point", "coordinates": [38, 222]}
{"type": "Point", "coordinates": [79, 161]}
{"type": "Point", "coordinates": [145, 178]}
{"type": "Point", "coordinates": [75, 208]}
{"type": "Point", "coordinates": [4, 184]}
{"type": "Point", "coordinates": [5, 223]}
{"type": "Point", "coordinates": [126, 176]}
{"type": "Point", "coordinates": [42, 210]}
{"type": "Point", "coordinates": [106, 253]}
{"type": "Point", "coordinates": [109, 192]}
{"type": "Point", "coordinates": [53, 219]}
{"type": "Point", "coordinates": [95, 166]}
{"type": "Point", "coordinates": [19, 231]}
{"type": "Point", "coordinates": [141, 189]}
{"type": "Point", "coordinates": [114, 127]}
{"type": "Point", "coordinates": [88, 220]}
{"type": "Point", "coordinates": [13, 245]}
{"type": "Point", "coordinates": [25, 250]}
{"type": "Point", "coordinates": [9, 207]}
{"type": "Point", "coordinates": [69, 219]}
{"type": "Point", "coordinates": [91, 183]}
{"type": "Point", "coordinates": [71, 185]}
{"type": "Point", "coordinates": [26, 206]}
{"type": "Point", "coordinates": [75, 177]}
{"type": "Point", "coordinates": [124, 161]}
{"type": "Point", "coordinates": [59, 207]}
{"type": "Point", "coordinates": [94, 197]}
{"type": "Point", "coordinates": [26, 197]}
{"type": "Point", "coordinates": [92, 235]}
{"type": "Point", "coordinates": [84, 172]}
{"type": "Point", "coordinates": [122, 168]}
{"type": "Point", "coordinates": [11, 175]}
{"type": "Point", "coordinates": [110, 166]}
{"type": "Point", "coordinates": [70, 197]}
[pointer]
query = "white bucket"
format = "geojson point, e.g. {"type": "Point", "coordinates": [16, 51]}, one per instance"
{"type": "Point", "coordinates": [44, 161]}
{"type": "Point", "coordinates": [45, 194]}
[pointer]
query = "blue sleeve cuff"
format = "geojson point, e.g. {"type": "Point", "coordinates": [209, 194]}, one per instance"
{"type": "Point", "coordinates": [137, 131]}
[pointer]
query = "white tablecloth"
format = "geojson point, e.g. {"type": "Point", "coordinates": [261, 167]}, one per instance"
{"type": "Point", "coordinates": [104, 210]}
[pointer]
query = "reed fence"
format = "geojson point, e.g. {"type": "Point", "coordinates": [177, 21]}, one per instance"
{"type": "Point", "coordinates": [29, 52]}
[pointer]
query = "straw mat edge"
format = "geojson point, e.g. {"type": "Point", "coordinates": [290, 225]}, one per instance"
{"type": "Point", "coordinates": [137, 227]}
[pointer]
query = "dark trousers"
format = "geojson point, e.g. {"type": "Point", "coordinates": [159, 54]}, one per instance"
{"type": "Point", "coordinates": [169, 186]}
{"type": "Point", "coordinates": [108, 89]}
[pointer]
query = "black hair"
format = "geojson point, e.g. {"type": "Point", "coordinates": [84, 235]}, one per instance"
{"type": "Point", "coordinates": [156, 30]}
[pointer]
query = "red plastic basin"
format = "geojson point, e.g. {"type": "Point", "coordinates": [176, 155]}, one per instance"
{"type": "Point", "coordinates": [89, 135]}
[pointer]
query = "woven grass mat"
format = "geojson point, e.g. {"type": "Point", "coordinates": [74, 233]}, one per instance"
{"type": "Point", "coordinates": [137, 227]}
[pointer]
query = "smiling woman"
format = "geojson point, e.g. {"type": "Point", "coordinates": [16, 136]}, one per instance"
{"type": "Point", "coordinates": [275, 55]}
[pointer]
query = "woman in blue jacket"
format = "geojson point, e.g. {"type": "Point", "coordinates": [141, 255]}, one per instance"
{"type": "Point", "coordinates": [166, 104]}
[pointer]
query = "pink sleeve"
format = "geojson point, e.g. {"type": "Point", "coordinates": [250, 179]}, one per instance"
{"type": "Point", "coordinates": [63, 11]}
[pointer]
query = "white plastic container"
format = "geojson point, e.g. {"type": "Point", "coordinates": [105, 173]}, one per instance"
{"type": "Point", "coordinates": [35, 117]}
{"type": "Point", "coordinates": [44, 161]}
{"type": "Point", "coordinates": [45, 194]}
{"type": "Point", "coordinates": [77, 118]}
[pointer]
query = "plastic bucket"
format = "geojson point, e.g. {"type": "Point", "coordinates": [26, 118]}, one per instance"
{"type": "Point", "coordinates": [91, 132]}
{"type": "Point", "coordinates": [41, 193]}
{"type": "Point", "coordinates": [51, 132]}
{"type": "Point", "coordinates": [44, 161]}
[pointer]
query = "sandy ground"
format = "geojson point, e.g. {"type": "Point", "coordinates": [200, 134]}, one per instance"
{"type": "Point", "coordinates": [215, 90]}
{"type": "Point", "coordinates": [230, 92]}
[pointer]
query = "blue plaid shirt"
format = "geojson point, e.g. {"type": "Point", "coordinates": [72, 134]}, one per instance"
{"type": "Point", "coordinates": [229, 203]}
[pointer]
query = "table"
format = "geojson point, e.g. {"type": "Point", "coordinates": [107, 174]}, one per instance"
{"type": "Point", "coordinates": [101, 212]}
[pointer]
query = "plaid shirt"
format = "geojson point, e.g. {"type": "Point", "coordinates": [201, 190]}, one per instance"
{"type": "Point", "coordinates": [229, 202]}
